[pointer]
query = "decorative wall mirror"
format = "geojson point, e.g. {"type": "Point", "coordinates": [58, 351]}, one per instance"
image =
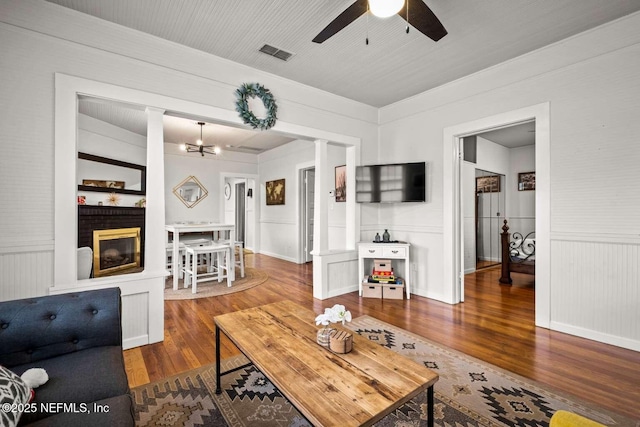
{"type": "Point", "coordinates": [190, 191]}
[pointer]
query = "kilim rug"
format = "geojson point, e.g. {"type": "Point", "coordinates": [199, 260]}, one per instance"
{"type": "Point", "coordinates": [469, 393]}
{"type": "Point", "coordinates": [252, 277]}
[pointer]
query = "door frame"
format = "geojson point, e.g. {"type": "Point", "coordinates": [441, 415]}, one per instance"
{"type": "Point", "coordinates": [249, 202]}
{"type": "Point", "coordinates": [242, 185]}
{"type": "Point", "coordinates": [453, 244]}
{"type": "Point", "coordinates": [300, 224]}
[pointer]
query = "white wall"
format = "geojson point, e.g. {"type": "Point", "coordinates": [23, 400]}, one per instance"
{"type": "Point", "coordinates": [591, 83]}
{"type": "Point", "coordinates": [179, 165]}
{"type": "Point", "coordinates": [279, 234]}
{"type": "Point", "coordinates": [280, 224]}
{"type": "Point", "coordinates": [521, 205]}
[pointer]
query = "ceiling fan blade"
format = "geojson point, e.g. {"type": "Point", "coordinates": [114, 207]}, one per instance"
{"type": "Point", "coordinates": [423, 19]}
{"type": "Point", "coordinates": [350, 14]}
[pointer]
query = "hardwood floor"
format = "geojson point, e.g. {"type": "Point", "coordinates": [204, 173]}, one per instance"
{"type": "Point", "coordinates": [494, 324]}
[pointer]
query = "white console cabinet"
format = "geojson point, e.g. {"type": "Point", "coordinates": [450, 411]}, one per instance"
{"type": "Point", "coordinates": [390, 251]}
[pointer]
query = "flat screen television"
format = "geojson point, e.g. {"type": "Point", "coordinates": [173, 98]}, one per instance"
{"type": "Point", "coordinates": [391, 183]}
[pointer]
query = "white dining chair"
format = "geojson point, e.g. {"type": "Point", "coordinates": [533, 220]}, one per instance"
{"type": "Point", "coordinates": [85, 262]}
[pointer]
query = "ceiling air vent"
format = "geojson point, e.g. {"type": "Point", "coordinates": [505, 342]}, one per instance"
{"type": "Point", "coordinates": [274, 51]}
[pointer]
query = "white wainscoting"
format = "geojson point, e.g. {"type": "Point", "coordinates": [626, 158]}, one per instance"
{"type": "Point", "coordinates": [341, 271]}
{"type": "Point", "coordinates": [142, 304]}
{"type": "Point", "coordinates": [595, 292]}
{"type": "Point", "coordinates": [25, 272]}
{"type": "Point", "coordinates": [135, 320]}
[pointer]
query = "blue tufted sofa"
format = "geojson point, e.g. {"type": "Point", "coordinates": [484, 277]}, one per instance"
{"type": "Point", "coordinates": [77, 339]}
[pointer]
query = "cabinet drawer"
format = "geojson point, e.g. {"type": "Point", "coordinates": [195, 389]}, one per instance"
{"type": "Point", "coordinates": [370, 252]}
{"type": "Point", "coordinates": [394, 252]}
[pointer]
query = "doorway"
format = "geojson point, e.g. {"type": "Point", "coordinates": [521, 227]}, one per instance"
{"type": "Point", "coordinates": [453, 246]}
{"type": "Point", "coordinates": [240, 211]}
{"type": "Point", "coordinates": [238, 193]}
{"type": "Point", "coordinates": [307, 209]}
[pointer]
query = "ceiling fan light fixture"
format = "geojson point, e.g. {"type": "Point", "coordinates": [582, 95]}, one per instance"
{"type": "Point", "coordinates": [385, 8]}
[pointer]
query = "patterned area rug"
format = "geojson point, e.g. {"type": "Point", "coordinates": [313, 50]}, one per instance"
{"type": "Point", "coordinates": [252, 277]}
{"type": "Point", "coordinates": [469, 393]}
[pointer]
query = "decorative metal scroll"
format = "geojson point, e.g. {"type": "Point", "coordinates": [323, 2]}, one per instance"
{"type": "Point", "coordinates": [522, 248]}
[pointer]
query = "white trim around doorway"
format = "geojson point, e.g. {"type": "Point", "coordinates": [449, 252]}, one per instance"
{"type": "Point", "coordinates": [452, 202]}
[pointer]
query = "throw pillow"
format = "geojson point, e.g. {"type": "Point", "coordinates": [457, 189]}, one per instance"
{"type": "Point", "coordinates": [14, 394]}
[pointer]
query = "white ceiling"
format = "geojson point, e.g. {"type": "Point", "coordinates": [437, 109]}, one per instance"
{"type": "Point", "coordinates": [513, 136]}
{"type": "Point", "coordinates": [394, 65]}
{"type": "Point", "coordinates": [178, 130]}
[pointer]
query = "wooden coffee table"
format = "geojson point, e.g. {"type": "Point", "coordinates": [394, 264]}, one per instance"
{"type": "Point", "coordinates": [353, 389]}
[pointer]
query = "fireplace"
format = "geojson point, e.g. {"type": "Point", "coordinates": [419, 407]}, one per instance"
{"type": "Point", "coordinates": [102, 218]}
{"type": "Point", "coordinates": [116, 251]}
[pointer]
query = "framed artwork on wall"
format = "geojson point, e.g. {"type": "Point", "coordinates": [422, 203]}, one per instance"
{"type": "Point", "coordinates": [526, 181]}
{"type": "Point", "coordinates": [341, 183]}
{"type": "Point", "coordinates": [488, 184]}
{"type": "Point", "coordinates": [275, 192]}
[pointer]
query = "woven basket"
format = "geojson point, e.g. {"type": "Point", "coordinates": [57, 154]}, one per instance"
{"type": "Point", "coordinates": [340, 342]}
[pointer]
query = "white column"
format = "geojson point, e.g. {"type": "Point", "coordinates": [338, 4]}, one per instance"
{"type": "Point", "coordinates": [66, 186]}
{"type": "Point", "coordinates": [155, 252]}
{"type": "Point", "coordinates": [321, 200]}
{"type": "Point", "coordinates": [353, 209]}
{"type": "Point", "coordinates": [321, 220]}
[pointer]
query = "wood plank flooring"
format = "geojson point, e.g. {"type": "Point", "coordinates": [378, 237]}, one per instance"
{"type": "Point", "coordinates": [494, 324]}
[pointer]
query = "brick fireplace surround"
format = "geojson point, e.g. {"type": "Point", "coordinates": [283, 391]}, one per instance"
{"type": "Point", "coordinates": [109, 217]}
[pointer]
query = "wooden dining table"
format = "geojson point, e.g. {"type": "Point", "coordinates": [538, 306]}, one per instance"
{"type": "Point", "coordinates": [200, 227]}
{"type": "Point", "coordinates": [354, 389]}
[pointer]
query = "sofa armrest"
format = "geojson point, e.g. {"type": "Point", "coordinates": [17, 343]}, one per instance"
{"type": "Point", "coordinates": [34, 329]}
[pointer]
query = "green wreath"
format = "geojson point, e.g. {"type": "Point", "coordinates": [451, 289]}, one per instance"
{"type": "Point", "coordinates": [252, 90]}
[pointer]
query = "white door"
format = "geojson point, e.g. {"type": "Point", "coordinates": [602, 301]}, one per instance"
{"type": "Point", "coordinates": [240, 212]}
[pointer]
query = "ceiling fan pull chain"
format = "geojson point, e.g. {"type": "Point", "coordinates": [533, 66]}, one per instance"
{"type": "Point", "coordinates": [407, 16]}
{"type": "Point", "coordinates": [367, 39]}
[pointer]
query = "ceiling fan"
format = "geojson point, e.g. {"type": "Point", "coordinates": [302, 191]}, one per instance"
{"type": "Point", "coordinates": [418, 15]}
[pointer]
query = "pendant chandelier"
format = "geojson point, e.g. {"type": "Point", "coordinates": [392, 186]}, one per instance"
{"type": "Point", "coordinates": [199, 146]}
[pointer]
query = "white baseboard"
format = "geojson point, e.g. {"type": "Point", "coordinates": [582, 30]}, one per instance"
{"type": "Point", "coordinates": [596, 336]}
{"type": "Point", "coordinates": [342, 291]}
{"type": "Point", "coordinates": [293, 260]}
{"type": "Point", "coordinates": [135, 342]}
{"type": "Point", "coordinates": [431, 295]}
